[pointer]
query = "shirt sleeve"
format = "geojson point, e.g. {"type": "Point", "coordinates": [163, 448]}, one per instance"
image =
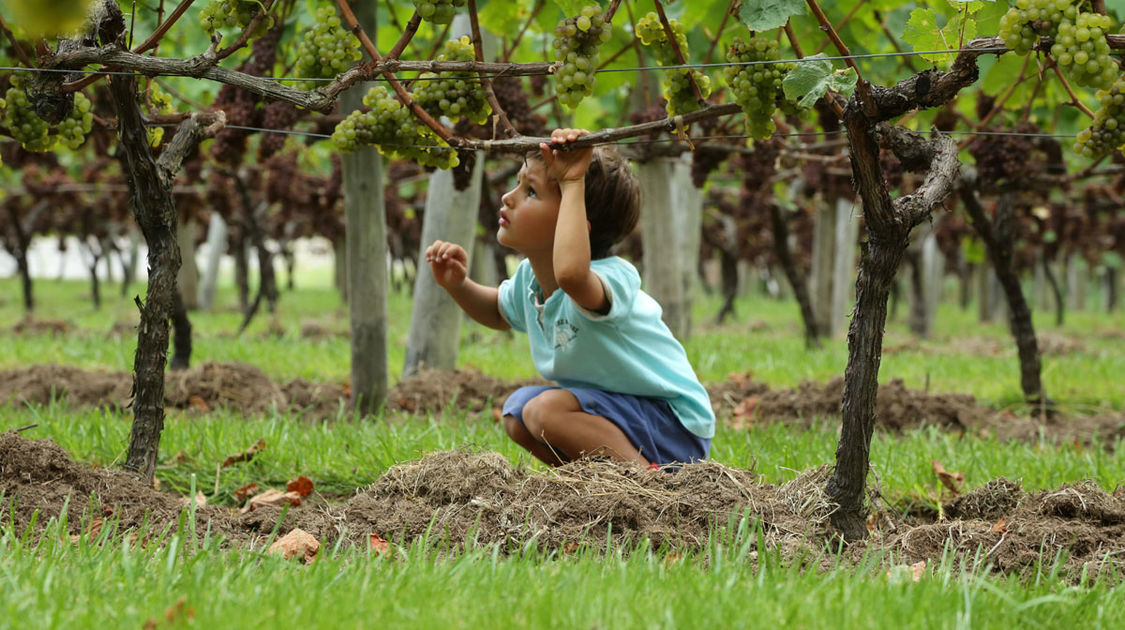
{"type": "Point", "coordinates": [621, 282]}
{"type": "Point", "coordinates": [509, 301]}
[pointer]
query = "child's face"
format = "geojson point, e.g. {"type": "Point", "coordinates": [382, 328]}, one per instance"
{"type": "Point", "coordinates": [530, 211]}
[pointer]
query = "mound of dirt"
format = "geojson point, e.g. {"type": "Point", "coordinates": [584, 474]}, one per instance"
{"type": "Point", "coordinates": [460, 499]}
{"type": "Point", "coordinates": [40, 384]}
{"type": "Point", "coordinates": [432, 391]}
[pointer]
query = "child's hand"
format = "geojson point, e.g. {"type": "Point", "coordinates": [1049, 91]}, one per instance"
{"type": "Point", "coordinates": [449, 263]}
{"type": "Point", "coordinates": [570, 165]}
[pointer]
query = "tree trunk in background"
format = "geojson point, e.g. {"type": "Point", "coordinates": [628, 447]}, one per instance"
{"type": "Point", "coordinates": [267, 279]}
{"type": "Point", "coordinates": [188, 278]}
{"type": "Point", "coordinates": [216, 247]}
{"type": "Point", "coordinates": [129, 267]}
{"type": "Point", "coordinates": [917, 318]}
{"type": "Point", "coordinates": [998, 236]}
{"type": "Point", "coordinates": [95, 281]}
{"type": "Point", "coordinates": [843, 266]}
{"type": "Point", "coordinates": [181, 339]}
{"type": "Point", "coordinates": [435, 319]}
{"type": "Point", "coordinates": [1053, 282]}
{"type": "Point", "coordinates": [820, 274]}
{"type": "Point", "coordinates": [150, 184]}
{"type": "Point", "coordinates": [662, 250]}
{"type": "Point", "coordinates": [241, 268]}
{"type": "Point", "coordinates": [22, 244]}
{"type": "Point", "coordinates": [799, 284]}
{"type": "Point", "coordinates": [366, 237]}
{"type": "Point", "coordinates": [1076, 276]}
{"type": "Point", "coordinates": [688, 210]}
{"type": "Point", "coordinates": [340, 267]}
{"type": "Point", "coordinates": [933, 276]}
{"type": "Point", "coordinates": [1112, 288]}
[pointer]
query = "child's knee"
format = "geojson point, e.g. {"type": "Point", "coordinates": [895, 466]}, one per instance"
{"type": "Point", "coordinates": [540, 410]}
{"type": "Point", "coordinates": [514, 427]}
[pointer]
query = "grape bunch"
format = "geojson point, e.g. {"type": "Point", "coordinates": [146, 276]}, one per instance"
{"type": "Point", "coordinates": [74, 128]}
{"type": "Point", "coordinates": [453, 94]}
{"type": "Point", "coordinates": [232, 14]}
{"type": "Point", "coordinates": [325, 50]}
{"type": "Point", "coordinates": [19, 117]}
{"type": "Point", "coordinates": [681, 99]}
{"type": "Point", "coordinates": [1107, 132]}
{"type": "Point", "coordinates": [437, 11]}
{"type": "Point", "coordinates": [157, 101]}
{"type": "Point", "coordinates": [576, 44]}
{"type": "Point", "coordinates": [1079, 47]}
{"type": "Point", "coordinates": [757, 85]}
{"type": "Point", "coordinates": [278, 115]}
{"type": "Point", "coordinates": [389, 126]}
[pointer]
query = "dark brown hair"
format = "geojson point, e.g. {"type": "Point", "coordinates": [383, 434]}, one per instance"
{"type": "Point", "coordinates": [613, 199]}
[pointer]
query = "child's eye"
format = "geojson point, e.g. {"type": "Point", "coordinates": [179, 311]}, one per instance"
{"type": "Point", "coordinates": [531, 192]}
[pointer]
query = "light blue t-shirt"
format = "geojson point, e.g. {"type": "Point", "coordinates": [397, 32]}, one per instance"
{"type": "Point", "coordinates": [628, 350]}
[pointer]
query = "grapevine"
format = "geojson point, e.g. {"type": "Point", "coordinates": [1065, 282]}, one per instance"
{"type": "Point", "coordinates": [453, 94]}
{"type": "Point", "coordinates": [75, 127]}
{"type": "Point", "coordinates": [437, 11]}
{"type": "Point", "coordinates": [392, 129]}
{"type": "Point", "coordinates": [158, 102]}
{"type": "Point", "coordinates": [681, 99]}
{"type": "Point", "coordinates": [756, 86]}
{"type": "Point", "coordinates": [326, 50]}
{"type": "Point", "coordinates": [1107, 132]}
{"type": "Point", "coordinates": [22, 123]}
{"type": "Point", "coordinates": [576, 44]}
{"type": "Point", "coordinates": [1079, 47]}
{"type": "Point", "coordinates": [220, 14]}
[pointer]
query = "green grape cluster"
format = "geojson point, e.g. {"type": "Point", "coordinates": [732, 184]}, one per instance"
{"type": "Point", "coordinates": [23, 124]}
{"type": "Point", "coordinates": [74, 128]}
{"type": "Point", "coordinates": [325, 50]}
{"type": "Point", "coordinates": [756, 86]}
{"type": "Point", "coordinates": [391, 128]}
{"type": "Point", "coordinates": [437, 11]}
{"type": "Point", "coordinates": [576, 44]}
{"type": "Point", "coordinates": [158, 102]}
{"type": "Point", "coordinates": [1079, 47]}
{"type": "Point", "coordinates": [1107, 132]}
{"type": "Point", "coordinates": [681, 99]}
{"type": "Point", "coordinates": [453, 94]}
{"type": "Point", "coordinates": [220, 14]}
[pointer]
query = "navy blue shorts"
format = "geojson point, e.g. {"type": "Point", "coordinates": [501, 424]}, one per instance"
{"type": "Point", "coordinates": [649, 423]}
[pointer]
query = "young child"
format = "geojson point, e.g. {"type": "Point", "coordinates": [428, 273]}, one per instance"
{"type": "Point", "coordinates": [625, 386]}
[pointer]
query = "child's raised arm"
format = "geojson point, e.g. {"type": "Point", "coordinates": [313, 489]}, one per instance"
{"type": "Point", "coordinates": [450, 264]}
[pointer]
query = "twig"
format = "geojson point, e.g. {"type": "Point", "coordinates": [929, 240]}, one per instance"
{"type": "Point", "coordinates": [719, 33]}
{"type": "Point", "coordinates": [1069, 90]}
{"type": "Point", "coordinates": [407, 37]}
{"type": "Point", "coordinates": [679, 53]}
{"type": "Point", "coordinates": [519, 36]}
{"type": "Point", "coordinates": [246, 32]}
{"type": "Point", "coordinates": [26, 427]}
{"type": "Point", "coordinates": [864, 89]}
{"type": "Point", "coordinates": [843, 22]}
{"type": "Point", "coordinates": [15, 44]}
{"type": "Point", "coordinates": [403, 95]}
{"type": "Point", "coordinates": [486, 84]}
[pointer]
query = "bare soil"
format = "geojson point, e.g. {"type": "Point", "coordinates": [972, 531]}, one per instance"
{"type": "Point", "coordinates": [740, 401]}
{"type": "Point", "coordinates": [458, 499]}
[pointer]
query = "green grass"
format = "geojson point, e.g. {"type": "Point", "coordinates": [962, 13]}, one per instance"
{"type": "Point", "coordinates": [57, 584]}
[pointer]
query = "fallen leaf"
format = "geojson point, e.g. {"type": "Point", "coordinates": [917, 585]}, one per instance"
{"type": "Point", "coordinates": [570, 547]}
{"type": "Point", "coordinates": [1119, 492]}
{"type": "Point", "coordinates": [302, 485]}
{"type": "Point", "coordinates": [271, 497]}
{"type": "Point", "coordinates": [1001, 526]}
{"type": "Point", "coordinates": [497, 414]}
{"type": "Point", "coordinates": [952, 480]}
{"type": "Point", "coordinates": [903, 572]}
{"type": "Point", "coordinates": [179, 610]}
{"type": "Point", "coordinates": [297, 543]}
{"type": "Point", "coordinates": [376, 543]}
{"type": "Point", "coordinates": [739, 379]}
{"type": "Point", "coordinates": [197, 403]}
{"type": "Point", "coordinates": [246, 455]}
{"type": "Point", "coordinates": [200, 500]}
{"type": "Point", "coordinates": [156, 484]}
{"type": "Point", "coordinates": [245, 492]}
{"type": "Point", "coordinates": [917, 570]}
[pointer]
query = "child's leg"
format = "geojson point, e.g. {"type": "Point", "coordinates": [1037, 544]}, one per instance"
{"type": "Point", "coordinates": [554, 417]}
{"type": "Point", "coordinates": [520, 436]}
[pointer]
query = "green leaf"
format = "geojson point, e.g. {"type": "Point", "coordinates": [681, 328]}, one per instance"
{"type": "Point", "coordinates": [504, 17]}
{"type": "Point", "coordinates": [923, 34]}
{"type": "Point", "coordinates": [763, 15]}
{"type": "Point", "coordinates": [571, 7]}
{"type": "Point", "coordinates": [810, 80]}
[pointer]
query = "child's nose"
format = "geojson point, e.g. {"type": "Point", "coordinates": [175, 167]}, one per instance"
{"type": "Point", "coordinates": [506, 197]}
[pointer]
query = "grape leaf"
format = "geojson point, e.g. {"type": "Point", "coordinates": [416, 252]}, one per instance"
{"type": "Point", "coordinates": [923, 34]}
{"type": "Point", "coordinates": [571, 7]}
{"type": "Point", "coordinates": [810, 80]}
{"type": "Point", "coordinates": [763, 15]}
{"type": "Point", "coordinates": [504, 17]}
